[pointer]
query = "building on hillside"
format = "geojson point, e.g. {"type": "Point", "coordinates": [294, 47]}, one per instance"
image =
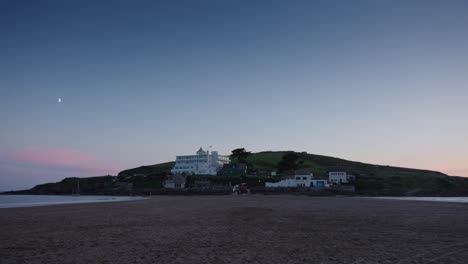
{"type": "Point", "coordinates": [337, 176]}
{"type": "Point", "coordinates": [302, 178]}
{"type": "Point", "coordinates": [175, 182]}
{"type": "Point", "coordinates": [202, 163]}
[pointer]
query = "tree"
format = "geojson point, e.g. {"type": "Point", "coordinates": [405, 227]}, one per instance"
{"type": "Point", "coordinates": [240, 155]}
{"type": "Point", "coordinates": [289, 162]}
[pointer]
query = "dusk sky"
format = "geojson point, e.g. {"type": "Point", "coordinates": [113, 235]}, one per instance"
{"type": "Point", "coordinates": [382, 82]}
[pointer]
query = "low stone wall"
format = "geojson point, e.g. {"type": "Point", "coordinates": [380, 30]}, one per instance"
{"type": "Point", "coordinates": [225, 190]}
{"type": "Point", "coordinates": [186, 191]}
{"type": "Point", "coordinates": [300, 191]}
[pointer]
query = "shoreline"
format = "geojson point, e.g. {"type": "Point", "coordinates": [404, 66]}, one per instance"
{"type": "Point", "coordinates": [54, 200]}
{"type": "Point", "coordinates": [120, 198]}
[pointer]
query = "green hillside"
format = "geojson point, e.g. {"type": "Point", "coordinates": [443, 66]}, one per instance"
{"type": "Point", "coordinates": [157, 169]}
{"type": "Point", "coordinates": [145, 177]}
{"type": "Point", "coordinates": [319, 165]}
{"type": "Point", "coordinates": [370, 179]}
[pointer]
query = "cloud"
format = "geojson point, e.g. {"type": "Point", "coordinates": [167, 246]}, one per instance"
{"type": "Point", "coordinates": [23, 169]}
{"type": "Point", "coordinates": [52, 157]}
{"type": "Point", "coordinates": [70, 162]}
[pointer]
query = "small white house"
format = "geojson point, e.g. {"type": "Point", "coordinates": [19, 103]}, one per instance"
{"type": "Point", "coordinates": [337, 177]}
{"type": "Point", "coordinates": [301, 179]}
{"type": "Point", "coordinates": [286, 183]}
{"type": "Point", "coordinates": [294, 183]}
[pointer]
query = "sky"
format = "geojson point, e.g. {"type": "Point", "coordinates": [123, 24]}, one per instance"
{"type": "Point", "coordinates": [140, 82]}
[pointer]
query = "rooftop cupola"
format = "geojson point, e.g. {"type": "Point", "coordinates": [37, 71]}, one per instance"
{"type": "Point", "coordinates": [201, 152]}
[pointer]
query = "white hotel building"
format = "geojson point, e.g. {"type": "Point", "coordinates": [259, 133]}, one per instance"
{"type": "Point", "coordinates": [203, 163]}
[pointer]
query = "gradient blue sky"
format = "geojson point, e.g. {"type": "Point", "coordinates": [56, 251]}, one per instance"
{"type": "Point", "coordinates": [383, 82]}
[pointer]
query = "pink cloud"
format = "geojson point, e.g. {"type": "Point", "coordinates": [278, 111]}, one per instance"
{"type": "Point", "coordinates": [53, 157]}
{"type": "Point", "coordinates": [71, 159]}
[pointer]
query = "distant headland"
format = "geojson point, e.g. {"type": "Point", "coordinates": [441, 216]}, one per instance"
{"type": "Point", "coordinates": [264, 172]}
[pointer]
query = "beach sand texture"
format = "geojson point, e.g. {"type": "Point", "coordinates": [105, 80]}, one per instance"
{"type": "Point", "coordinates": [237, 229]}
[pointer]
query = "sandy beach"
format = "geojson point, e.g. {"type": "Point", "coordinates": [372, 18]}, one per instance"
{"type": "Point", "coordinates": [237, 229]}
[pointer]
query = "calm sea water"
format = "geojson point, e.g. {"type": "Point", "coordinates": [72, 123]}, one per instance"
{"type": "Point", "coordinates": [7, 201]}
{"type": "Point", "coordinates": [431, 199]}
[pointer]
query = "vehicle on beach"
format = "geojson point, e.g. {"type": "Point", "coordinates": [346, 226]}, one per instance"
{"type": "Point", "coordinates": [241, 189]}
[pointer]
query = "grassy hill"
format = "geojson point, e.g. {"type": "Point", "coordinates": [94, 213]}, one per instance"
{"type": "Point", "coordinates": [144, 177]}
{"type": "Point", "coordinates": [370, 179]}
{"type": "Point", "coordinates": [157, 169]}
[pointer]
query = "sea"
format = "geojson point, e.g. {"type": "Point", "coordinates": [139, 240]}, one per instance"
{"type": "Point", "coordinates": [7, 201]}
{"type": "Point", "coordinates": [429, 199]}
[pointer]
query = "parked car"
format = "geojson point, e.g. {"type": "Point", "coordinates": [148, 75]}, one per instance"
{"type": "Point", "coordinates": [241, 189]}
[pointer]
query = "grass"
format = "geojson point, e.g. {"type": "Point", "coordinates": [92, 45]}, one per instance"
{"type": "Point", "coordinates": [157, 169]}
{"type": "Point", "coordinates": [370, 179]}
{"type": "Point", "coordinates": [265, 161]}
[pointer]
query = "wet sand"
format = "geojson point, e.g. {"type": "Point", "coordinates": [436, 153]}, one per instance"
{"type": "Point", "coordinates": [237, 229]}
